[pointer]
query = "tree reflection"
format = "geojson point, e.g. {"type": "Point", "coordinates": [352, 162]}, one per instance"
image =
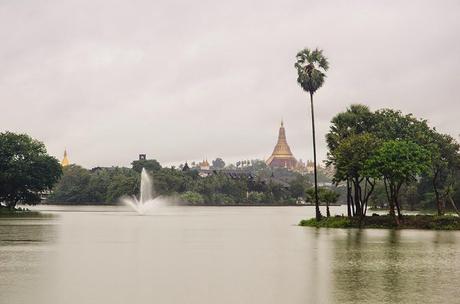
{"type": "Point", "coordinates": [394, 266]}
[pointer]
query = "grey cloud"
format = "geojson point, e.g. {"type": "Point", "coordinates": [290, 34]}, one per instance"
{"type": "Point", "coordinates": [182, 80]}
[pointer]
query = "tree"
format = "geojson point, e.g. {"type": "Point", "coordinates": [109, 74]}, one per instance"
{"type": "Point", "coordinates": [445, 160]}
{"type": "Point", "coordinates": [298, 186]}
{"type": "Point", "coordinates": [398, 162]}
{"type": "Point", "coordinates": [311, 67]}
{"type": "Point", "coordinates": [26, 170]}
{"type": "Point", "coordinates": [73, 186]}
{"type": "Point", "coordinates": [325, 195]}
{"type": "Point", "coordinates": [218, 163]}
{"type": "Point", "coordinates": [255, 197]}
{"type": "Point", "coordinates": [355, 121]}
{"type": "Point", "coordinates": [191, 197]}
{"type": "Point", "coordinates": [409, 196]}
{"type": "Point", "coordinates": [79, 185]}
{"type": "Point", "coordinates": [329, 197]}
{"type": "Point", "coordinates": [258, 165]}
{"type": "Point", "coordinates": [350, 159]}
{"type": "Point", "coordinates": [122, 184]}
{"type": "Point", "coordinates": [389, 124]}
{"type": "Point", "coordinates": [151, 165]}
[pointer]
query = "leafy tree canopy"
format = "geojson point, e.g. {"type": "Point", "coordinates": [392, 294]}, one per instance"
{"type": "Point", "coordinates": [352, 153]}
{"type": "Point", "coordinates": [311, 66]}
{"type": "Point", "coordinates": [26, 170]}
{"type": "Point", "coordinates": [399, 161]}
{"type": "Point", "coordinates": [149, 165]}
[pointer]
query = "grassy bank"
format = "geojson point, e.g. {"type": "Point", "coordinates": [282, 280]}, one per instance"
{"type": "Point", "coordinates": [432, 222]}
{"type": "Point", "coordinates": [20, 212]}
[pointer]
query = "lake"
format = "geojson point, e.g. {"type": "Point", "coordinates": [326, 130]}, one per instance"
{"type": "Point", "coordinates": [219, 255]}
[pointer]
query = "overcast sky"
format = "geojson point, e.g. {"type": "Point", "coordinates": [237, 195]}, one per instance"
{"type": "Point", "coordinates": [185, 80]}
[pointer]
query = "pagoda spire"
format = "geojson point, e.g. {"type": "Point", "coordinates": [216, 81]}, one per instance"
{"type": "Point", "coordinates": [65, 161]}
{"type": "Point", "coordinates": [282, 155]}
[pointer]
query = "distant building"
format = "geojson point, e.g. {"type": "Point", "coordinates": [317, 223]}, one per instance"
{"type": "Point", "coordinates": [204, 165]}
{"type": "Point", "coordinates": [65, 161]}
{"type": "Point", "coordinates": [142, 156]}
{"type": "Point", "coordinates": [282, 156]}
{"type": "Point", "coordinates": [310, 167]}
{"type": "Point", "coordinates": [186, 167]}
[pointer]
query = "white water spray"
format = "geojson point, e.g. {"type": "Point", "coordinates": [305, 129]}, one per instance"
{"type": "Point", "coordinates": [146, 202]}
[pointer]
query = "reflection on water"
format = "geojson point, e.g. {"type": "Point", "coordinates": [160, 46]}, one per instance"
{"type": "Point", "coordinates": [379, 266]}
{"type": "Point", "coordinates": [24, 245]}
{"type": "Point", "coordinates": [219, 255]}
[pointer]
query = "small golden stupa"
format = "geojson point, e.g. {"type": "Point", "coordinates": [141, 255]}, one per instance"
{"type": "Point", "coordinates": [204, 165]}
{"type": "Point", "coordinates": [282, 155]}
{"type": "Point", "coordinates": [65, 161]}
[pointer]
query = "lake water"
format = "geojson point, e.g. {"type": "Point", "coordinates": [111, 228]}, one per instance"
{"type": "Point", "coordinates": [219, 255]}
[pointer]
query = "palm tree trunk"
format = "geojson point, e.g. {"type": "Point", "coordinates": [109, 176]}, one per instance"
{"type": "Point", "coordinates": [318, 212]}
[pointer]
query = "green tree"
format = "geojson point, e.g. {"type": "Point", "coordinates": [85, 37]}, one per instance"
{"type": "Point", "coordinates": [26, 170]}
{"type": "Point", "coordinates": [73, 186]}
{"type": "Point", "coordinates": [378, 199]}
{"type": "Point", "coordinates": [121, 185]}
{"type": "Point", "coordinates": [409, 195]}
{"type": "Point", "coordinates": [151, 165]}
{"type": "Point", "coordinates": [356, 120]}
{"type": "Point", "coordinates": [445, 160]}
{"type": "Point", "coordinates": [398, 162]}
{"type": "Point", "coordinates": [98, 184]}
{"type": "Point", "coordinates": [389, 124]}
{"type": "Point", "coordinates": [258, 165]}
{"type": "Point", "coordinates": [328, 196]}
{"type": "Point", "coordinates": [191, 197]}
{"type": "Point", "coordinates": [298, 186]}
{"type": "Point", "coordinates": [311, 68]}
{"type": "Point", "coordinates": [350, 159]}
{"type": "Point", "coordinates": [79, 185]}
{"type": "Point", "coordinates": [256, 197]}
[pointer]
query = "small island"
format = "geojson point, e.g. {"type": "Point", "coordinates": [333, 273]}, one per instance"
{"type": "Point", "coordinates": [422, 221]}
{"type": "Point", "coordinates": [392, 161]}
{"type": "Point", "coordinates": [19, 212]}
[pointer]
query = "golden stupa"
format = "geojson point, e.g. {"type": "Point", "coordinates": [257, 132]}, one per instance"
{"type": "Point", "coordinates": [65, 161]}
{"type": "Point", "coordinates": [282, 155]}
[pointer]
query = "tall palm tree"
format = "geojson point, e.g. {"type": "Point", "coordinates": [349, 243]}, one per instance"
{"type": "Point", "coordinates": [311, 67]}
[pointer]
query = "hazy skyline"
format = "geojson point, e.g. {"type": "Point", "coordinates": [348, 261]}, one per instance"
{"type": "Point", "coordinates": [191, 80]}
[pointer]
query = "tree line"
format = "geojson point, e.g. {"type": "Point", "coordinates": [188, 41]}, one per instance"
{"type": "Point", "coordinates": [28, 175]}
{"type": "Point", "coordinates": [80, 185]}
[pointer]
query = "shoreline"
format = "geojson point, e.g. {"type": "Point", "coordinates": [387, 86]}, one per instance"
{"type": "Point", "coordinates": [418, 221]}
{"type": "Point", "coordinates": [198, 205]}
{"type": "Point", "coordinates": [19, 212]}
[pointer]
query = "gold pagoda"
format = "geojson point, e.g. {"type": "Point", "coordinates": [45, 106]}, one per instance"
{"type": "Point", "coordinates": [204, 165]}
{"type": "Point", "coordinates": [282, 155]}
{"type": "Point", "coordinates": [65, 161]}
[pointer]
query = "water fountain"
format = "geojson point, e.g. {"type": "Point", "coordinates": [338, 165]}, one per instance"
{"type": "Point", "coordinates": [146, 202]}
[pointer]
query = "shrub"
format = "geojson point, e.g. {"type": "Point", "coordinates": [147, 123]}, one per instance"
{"type": "Point", "coordinates": [328, 222]}
{"type": "Point", "coordinates": [220, 198]}
{"type": "Point", "coordinates": [191, 197]}
{"type": "Point", "coordinates": [256, 197]}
